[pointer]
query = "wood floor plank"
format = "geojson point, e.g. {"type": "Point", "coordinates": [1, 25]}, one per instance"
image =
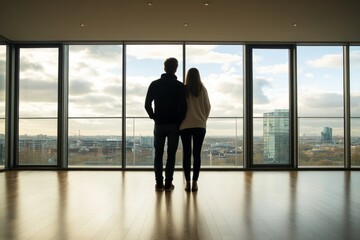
{"type": "Point", "coordinates": [255, 205]}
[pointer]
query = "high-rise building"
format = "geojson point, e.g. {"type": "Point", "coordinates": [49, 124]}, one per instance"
{"type": "Point", "coordinates": [326, 135]}
{"type": "Point", "coordinates": [276, 136]}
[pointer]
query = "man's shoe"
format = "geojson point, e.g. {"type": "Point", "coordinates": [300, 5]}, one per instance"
{"type": "Point", "coordinates": [194, 186]}
{"type": "Point", "coordinates": [159, 187]}
{"type": "Point", "coordinates": [188, 186]}
{"type": "Point", "coordinates": [169, 187]}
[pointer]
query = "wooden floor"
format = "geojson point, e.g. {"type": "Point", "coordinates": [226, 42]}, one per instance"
{"type": "Point", "coordinates": [229, 205]}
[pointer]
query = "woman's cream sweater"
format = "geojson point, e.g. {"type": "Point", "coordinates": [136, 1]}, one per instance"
{"type": "Point", "coordinates": [198, 110]}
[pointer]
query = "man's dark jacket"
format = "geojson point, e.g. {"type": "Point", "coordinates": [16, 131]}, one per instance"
{"type": "Point", "coordinates": [169, 99]}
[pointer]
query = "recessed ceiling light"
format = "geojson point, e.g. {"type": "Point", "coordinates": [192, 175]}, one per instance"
{"type": "Point", "coordinates": [295, 24]}
{"type": "Point", "coordinates": [82, 25]}
{"type": "Point", "coordinates": [186, 24]}
{"type": "Point", "coordinates": [206, 4]}
{"type": "Point", "coordinates": [149, 3]}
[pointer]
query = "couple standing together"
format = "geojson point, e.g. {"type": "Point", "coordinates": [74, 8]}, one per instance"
{"type": "Point", "coordinates": [178, 110]}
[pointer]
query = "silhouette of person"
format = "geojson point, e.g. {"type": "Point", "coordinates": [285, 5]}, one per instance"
{"type": "Point", "coordinates": [193, 128]}
{"type": "Point", "coordinates": [168, 95]}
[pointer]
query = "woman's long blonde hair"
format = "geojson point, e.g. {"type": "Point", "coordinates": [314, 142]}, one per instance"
{"type": "Point", "coordinates": [193, 82]}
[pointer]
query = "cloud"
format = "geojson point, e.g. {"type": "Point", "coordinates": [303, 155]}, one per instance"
{"type": "Point", "coordinates": [325, 100]}
{"type": "Point", "coordinates": [321, 105]}
{"type": "Point", "coordinates": [38, 91]}
{"type": "Point", "coordinates": [206, 55]}
{"type": "Point", "coordinates": [114, 89]}
{"type": "Point", "coordinates": [101, 53]}
{"type": "Point", "coordinates": [273, 69]}
{"type": "Point", "coordinates": [79, 87]}
{"type": "Point", "coordinates": [155, 52]}
{"type": "Point", "coordinates": [258, 93]}
{"type": "Point", "coordinates": [327, 61]}
{"type": "Point", "coordinates": [309, 75]}
{"type": "Point", "coordinates": [95, 105]}
{"type": "Point", "coordinates": [224, 89]}
{"type": "Point", "coordinates": [355, 58]}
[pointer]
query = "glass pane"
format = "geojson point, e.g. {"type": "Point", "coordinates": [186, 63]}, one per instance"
{"type": "Point", "coordinates": [321, 142]}
{"type": "Point", "coordinates": [95, 80]}
{"type": "Point", "coordinates": [95, 142]}
{"type": "Point", "coordinates": [271, 138]}
{"type": "Point", "coordinates": [355, 142]}
{"type": "Point", "coordinates": [320, 94]}
{"type": "Point", "coordinates": [140, 143]}
{"type": "Point", "coordinates": [271, 106]}
{"type": "Point", "coordinates": [223, 143]}
{"type": "Point", "coordinates": [320, 81]}
{"type": "Point", "coordinates": [95, 105]}
{"type": "Point", "coordinates": [37, 141]}
{"type": "Point", "coordinates": [144, 64]}
{"type": "Point", "coordinates": [2, 143]}
{"type": "Point", "coordinates": [38, 95]}
{"type": "Point", "coordinates": [38, 90]}
{"type": "Point", "coordinates": [2, 103]}
{"type": "Point", "coordinates": [221, 71]}
{"type": "Point", "coordinates": [2, 80]}
{"type": "Point", "coordinates": [355, 104]}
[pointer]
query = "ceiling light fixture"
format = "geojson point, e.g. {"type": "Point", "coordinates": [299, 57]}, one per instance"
{"type": "Point", "coordinates": [295, 24]}
{"type": "Point", "coordinates": [186, 24]}
{"type": "Point", "coordinates": [82, 25]}
{"type": "Point", "coordinates": [206, 4]}
{"type": "Point", "coordinates": [149, 3]}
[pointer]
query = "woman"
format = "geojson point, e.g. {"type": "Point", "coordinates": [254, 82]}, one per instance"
{"type": "Point", "coordinates": [193, 127]}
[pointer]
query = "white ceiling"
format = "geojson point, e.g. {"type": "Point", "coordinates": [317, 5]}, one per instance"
{"type": "Point", "coordinates": [222, 20]}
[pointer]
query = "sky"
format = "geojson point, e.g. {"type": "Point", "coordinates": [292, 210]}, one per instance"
{"type": "Point", "coordinates": [95, 86]}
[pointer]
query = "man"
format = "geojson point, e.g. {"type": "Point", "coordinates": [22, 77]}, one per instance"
{"type": "Point", "coordinates": [168, 95]}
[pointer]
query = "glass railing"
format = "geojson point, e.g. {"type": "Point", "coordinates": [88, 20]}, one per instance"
{"type": "Point", "coordinates": [321, 142]}
{"type": "Point", "coordinates": [222, 147]}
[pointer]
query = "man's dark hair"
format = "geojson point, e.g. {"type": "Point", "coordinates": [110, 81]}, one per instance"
{"type": "Point", "coordinates": [170, 65]}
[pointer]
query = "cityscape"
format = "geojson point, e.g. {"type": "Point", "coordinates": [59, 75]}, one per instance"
{"type": "Point", "coordinates": [272, 147]}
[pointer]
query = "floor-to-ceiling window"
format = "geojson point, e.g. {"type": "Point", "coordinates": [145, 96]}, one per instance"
{"type": "Point", "coordinates": [95, 98]}
{"type": "Point", "coordinates": [271, 106]}
{"type": "Point", "coordinates": [144, 64]}
{"type": "Point", "coordinates": [2, 103]}
{"type": "Point", "coordinates": [320, 106]}
{"type": "Point", "coordinates": [221, 71]}
{"type": "Point", "coordinates": [355, 104]}
{"type": "Point", "coordinates": [95, 105]}
{"type": "Point", "coordinates": [38, 105]}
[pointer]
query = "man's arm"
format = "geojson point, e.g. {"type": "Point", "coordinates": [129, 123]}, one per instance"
{"type": "Point", "coordinates": [148, 101]}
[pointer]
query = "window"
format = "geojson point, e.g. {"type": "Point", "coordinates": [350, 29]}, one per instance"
{"type": "Point", "coordinates": [221, 71]}
{"type": "Point", "coordinates": [355, 104]}
{"type": "Point", "coordinates": [38, 106]}
{"type": "Point", "coordinates": [144, 64]}
{"type": "Point", "coordinates": [95, 105]}
{"type": "Point", "coordinates": [320, 106]}
{"type": "Point", "coordinates": [2, 103]}
{"type": "Point", "coordinates": [271, 91]}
